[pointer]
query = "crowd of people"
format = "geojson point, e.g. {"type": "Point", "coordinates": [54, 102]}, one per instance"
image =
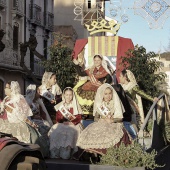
{"type": "Point", "coordinates": [53, 118]}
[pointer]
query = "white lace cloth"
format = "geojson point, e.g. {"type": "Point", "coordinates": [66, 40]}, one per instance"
{"type": "Point", "coordinates": [20, 108]}
{"type": "Point", "coordinates": [61, 135]}
{"type": "Point", "coordinates": [100, 135]}
{"type": "Point", "coordinates": [18, 130]}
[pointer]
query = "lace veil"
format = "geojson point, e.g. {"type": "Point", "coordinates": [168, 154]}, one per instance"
{"type": "Point", "coordinates": [75, 104]}
{"type": "Point", "coordinates": [127, 87]}
{"type": "Point", "coordinates": [118, 108]}
{"type": "Point", "coordinates": [132, 81]}
{"type": "Point", "coordinates": [30, 95]}
{"type": "Point", "coordinates": [45, 79]}
{"type": "Point", "coordinates": [21, 108]}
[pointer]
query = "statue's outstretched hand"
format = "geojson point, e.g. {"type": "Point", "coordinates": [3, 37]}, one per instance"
{"type": "Point", "coordinates": [75, 62]}
{"type": "Point", "coordinates": [155, 99]}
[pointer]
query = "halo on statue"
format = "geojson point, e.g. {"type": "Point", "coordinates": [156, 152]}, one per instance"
{"type": "Point", "coordinates": [154, 11]}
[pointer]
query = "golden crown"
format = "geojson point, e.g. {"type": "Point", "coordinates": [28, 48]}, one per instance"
{"type": "Point", "coordinates": [103, 26]}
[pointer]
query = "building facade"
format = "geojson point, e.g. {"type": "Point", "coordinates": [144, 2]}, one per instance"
{"type": "Point", "coordinates": [12, 22]}
{"type": "Point", "coordinates": [165, 67]}
{"type": "Point", "coordinates": [19, 19]}
{"type": "Point", "coordinates": [39, 23]}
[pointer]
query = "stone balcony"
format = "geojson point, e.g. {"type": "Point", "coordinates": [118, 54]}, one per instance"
{"type": "Point", "coordinates": [35, 14]}
{"type": "Point", "coordinates": [49, 21]}
{"type": "Point", "coordinates": [2, 4]}
{"type": "Point", "coordinates": [10, 57]}
{"type": "Point", "coordinates": [18, 8]}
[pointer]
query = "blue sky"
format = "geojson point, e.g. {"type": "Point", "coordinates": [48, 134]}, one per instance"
{"type": "Point", "coordinates": [137, 28]}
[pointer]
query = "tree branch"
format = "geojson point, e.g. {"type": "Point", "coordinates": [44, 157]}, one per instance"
{"type": "Point", "coordinates": [41, 57]}
{"type": "Point", "coordinates": [30, 73]}
{"type": "Point", "coordinates": [23, 50]}
{"type": "Point", "coordinates": [32, 44]}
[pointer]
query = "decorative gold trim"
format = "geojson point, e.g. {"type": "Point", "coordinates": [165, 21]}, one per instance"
{"type": "Point", "coordinates": [103, 26]}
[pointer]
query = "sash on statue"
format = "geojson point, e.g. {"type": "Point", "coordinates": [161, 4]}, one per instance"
{"type": "Point", "coordinates": [47, 94]}
{"type": "Point", "coordinates": [66, 113]}
{"type": "Point", "coordinates": [94, 81]}
{"type": "Point", "coordinates": [104, 111]}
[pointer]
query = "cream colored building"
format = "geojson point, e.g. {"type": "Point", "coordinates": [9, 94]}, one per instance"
{"type": "Point", "coordinates": [165, 67]}
{"type": "Point", "coordinates": [19, 19]}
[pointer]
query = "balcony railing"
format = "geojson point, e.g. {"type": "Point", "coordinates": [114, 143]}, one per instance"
{"type": "Point", "coordinates": [2, 4]}
{"type": "Point", "coordinates": [18, 8]}
{"type": "Point", "coordinates": [158, 114]}
{"type": "Point", "coordinates": [49, 21]}
{"type": "Point", "coordinates": [35, 14]}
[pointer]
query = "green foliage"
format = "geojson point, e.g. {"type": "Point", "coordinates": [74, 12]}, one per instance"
{"type": "Point", "coordinates": [146, 70]}
{"type": "Point", "coordinates": [145, 67]}
{"type": "Point", "coordinates": [129, 156]}
{"type": "Point", "coordinates": [61, 63]}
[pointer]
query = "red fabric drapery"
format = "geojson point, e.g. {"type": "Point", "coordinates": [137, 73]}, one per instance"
{"type": "Point", "coordinates": [79, 45]}
{"type": "Point", "coordinates": [124, 44]}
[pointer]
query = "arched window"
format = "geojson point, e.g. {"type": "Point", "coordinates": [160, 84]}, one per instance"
{"type": "Point", "coordinates": [89, 4]}
{"type": "Point", "coordinates": [15, 36]}
{"type": "Point", "coordinates": [1, 89]}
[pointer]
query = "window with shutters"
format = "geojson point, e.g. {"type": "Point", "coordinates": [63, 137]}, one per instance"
{"type": "Point", "coordinates": [15, 36]}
